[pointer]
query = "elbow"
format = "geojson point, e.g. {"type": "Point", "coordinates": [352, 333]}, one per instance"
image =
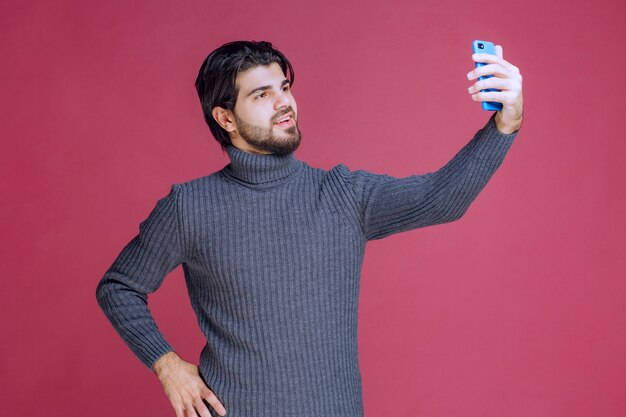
{"type": "Point", "coordinates": [114, 289]}
{"type": "Point", "coordinates": [106, 291]}
{"type": "Point", "coordinates": [452, 214]}
{"type": "Point", "coordinates": [102, 291]}
{"type": "Point", "coordinates": [453, 207]}
{"type": "Point", "coordinates": [458, 214]}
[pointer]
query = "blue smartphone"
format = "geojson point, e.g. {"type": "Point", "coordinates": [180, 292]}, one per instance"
{"type": "Point", "coordinates": [484, 47]}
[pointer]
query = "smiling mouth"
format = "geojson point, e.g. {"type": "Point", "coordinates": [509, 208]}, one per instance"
{"type": "Point", "coordinates": [285, 121]}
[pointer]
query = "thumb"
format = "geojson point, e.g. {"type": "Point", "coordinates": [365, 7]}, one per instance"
{"type": "Point", "coordinates": [499, 51]}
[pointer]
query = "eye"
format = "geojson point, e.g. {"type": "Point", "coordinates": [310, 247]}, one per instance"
{"type": "Point", "coordinates": [260, 95]}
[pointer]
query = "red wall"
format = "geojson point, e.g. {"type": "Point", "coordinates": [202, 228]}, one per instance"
{"type": "Point", "coordinates": [517, 309]}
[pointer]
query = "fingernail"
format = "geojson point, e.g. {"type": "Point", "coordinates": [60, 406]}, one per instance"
{"type": "Point", "coordinates": [469, 75]}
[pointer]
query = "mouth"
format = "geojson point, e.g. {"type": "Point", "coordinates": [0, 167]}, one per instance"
{"type": "Point", "coordinates": [285, 121]}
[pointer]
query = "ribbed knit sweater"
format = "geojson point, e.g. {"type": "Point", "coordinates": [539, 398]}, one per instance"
{"type": "Point", "coordinates": [271, 250]}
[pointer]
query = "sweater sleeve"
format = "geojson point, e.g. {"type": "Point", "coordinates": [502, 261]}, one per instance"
{"type": "Point", "coordinates": [138, 270]}
{"type": "Point", "coordinates": [388, 205]}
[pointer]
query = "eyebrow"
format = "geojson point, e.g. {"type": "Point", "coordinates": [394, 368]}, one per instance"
{"type": "Point", "coordinates": [266, 87]}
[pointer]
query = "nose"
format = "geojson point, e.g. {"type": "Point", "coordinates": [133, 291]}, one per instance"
{"type": "Point", "coordinates": [282, 100]}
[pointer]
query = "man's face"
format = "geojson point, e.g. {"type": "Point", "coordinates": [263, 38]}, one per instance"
{"type": "Point", "coordinates": [264, 99]}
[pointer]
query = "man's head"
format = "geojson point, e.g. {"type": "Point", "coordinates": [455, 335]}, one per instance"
{"type": "Point", "coordinates": [244, 92]}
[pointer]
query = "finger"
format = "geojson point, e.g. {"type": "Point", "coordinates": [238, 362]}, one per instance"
{"type": "Point", "coordinates": [489, 69]}
{"type": "Point", "coordinates": [178, 406]}
{"type": "Point", "coordinates": [494, 59]}
{"type": "Point", "coordinates": [497, 96]}
{"type": "Point", "coordinates": [499, 51]}
{"type": "Point", "coordinates": [201, 408]}
{"type": "Point", "coordinates": [212, 399]}
{"type": "Point", "coordinates": [488, 96]}
{"type": "Point", "coordinates": [179, 410]}
{"type": "Point", "coordinates": [189, 410]}
{"type": "Point", "coordinates": [493, 82]}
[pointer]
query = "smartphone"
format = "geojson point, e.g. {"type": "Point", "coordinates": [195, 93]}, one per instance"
{"type": "Point", "coordinates": [484, 47]}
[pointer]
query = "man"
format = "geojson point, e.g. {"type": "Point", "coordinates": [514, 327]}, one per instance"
{"type": "Point", "coordinates": [272, 248]}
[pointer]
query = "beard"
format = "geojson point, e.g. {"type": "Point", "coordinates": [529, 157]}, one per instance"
{"type": "Point", "coordinates": [264, 139]}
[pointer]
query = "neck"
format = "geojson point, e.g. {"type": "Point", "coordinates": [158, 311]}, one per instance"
{"type": "Point", "coordinates": [259, 168]}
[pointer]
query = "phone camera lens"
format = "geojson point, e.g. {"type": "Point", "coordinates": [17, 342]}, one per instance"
{"type": "Point", "coordinates": [481, 46]}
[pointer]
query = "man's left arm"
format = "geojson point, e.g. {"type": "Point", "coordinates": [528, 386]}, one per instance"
{"type": "Point", "coordinates": [390, 205]}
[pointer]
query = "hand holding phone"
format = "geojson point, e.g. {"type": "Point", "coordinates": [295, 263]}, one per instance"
{"type": "Point", "coordinates": [484, 47]}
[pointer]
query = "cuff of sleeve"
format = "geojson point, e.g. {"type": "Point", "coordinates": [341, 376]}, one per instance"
{"type": "Point", "coordinates": [154, 349]}
{"type": "Point", "coordinates": [492, 129]}
{"type": "Point", "coordinates": [493, 143]}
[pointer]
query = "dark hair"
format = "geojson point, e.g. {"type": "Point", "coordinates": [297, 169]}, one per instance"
{"type": "Point", "coordinates": [216, 79]}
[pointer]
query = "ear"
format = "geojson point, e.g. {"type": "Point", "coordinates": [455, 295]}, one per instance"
{"type": "Point", "coordinates": [224, 118]}
{"type": "Point", "coordinates": [499, 51]}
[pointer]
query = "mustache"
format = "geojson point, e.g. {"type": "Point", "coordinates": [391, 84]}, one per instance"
{"type": "Point", "coordinates": [279, 116]}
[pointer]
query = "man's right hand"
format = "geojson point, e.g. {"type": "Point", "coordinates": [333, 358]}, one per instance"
{"type": "Point", "coordinates": [185, 388]}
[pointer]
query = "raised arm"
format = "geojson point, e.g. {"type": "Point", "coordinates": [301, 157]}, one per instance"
{"type": "Point", "coordinates": [138, 270]}
{"type": "Point", "coordinates": [388, 205]}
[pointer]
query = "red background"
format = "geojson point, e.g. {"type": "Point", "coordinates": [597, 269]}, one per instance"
{"type": "Point", "coordinates": [517, 309]}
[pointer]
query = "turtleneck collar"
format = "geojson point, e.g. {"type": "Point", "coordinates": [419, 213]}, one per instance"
{"type": "Point", "coordinates": [258, 169]}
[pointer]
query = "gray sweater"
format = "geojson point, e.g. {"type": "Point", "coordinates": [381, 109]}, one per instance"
{"type": "Point", "coordinates": [271, 250]}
